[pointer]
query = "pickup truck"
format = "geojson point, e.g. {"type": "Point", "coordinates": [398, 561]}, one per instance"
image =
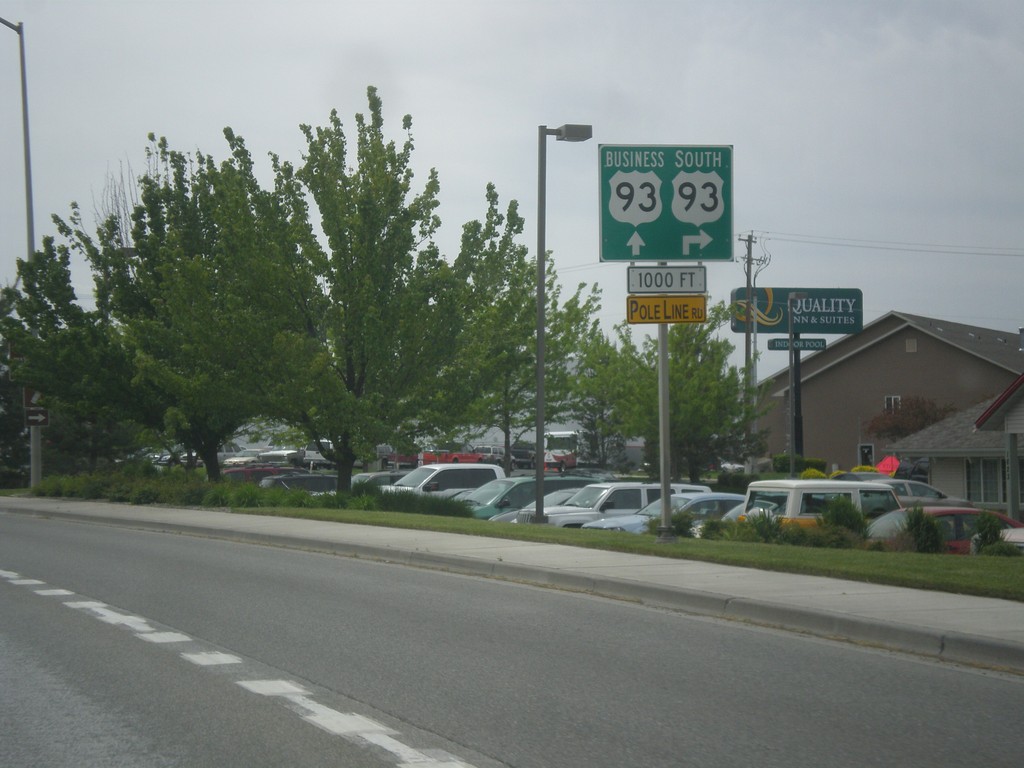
{"type": "Point", "coordinates": [600, 500]}
{"type": "Point", "coordinates": [433, 456]}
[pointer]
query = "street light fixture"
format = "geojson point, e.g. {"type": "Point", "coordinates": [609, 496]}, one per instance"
{"type": "Point", "coordinates": [568, 132]}
{"type": "Point", "coordinates": [35, 435]}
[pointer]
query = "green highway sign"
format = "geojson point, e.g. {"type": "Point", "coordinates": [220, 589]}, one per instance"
{"type": "Point", "coordinates": [802, 345]}
{"type": "Point", "coordinates": [666, 203]}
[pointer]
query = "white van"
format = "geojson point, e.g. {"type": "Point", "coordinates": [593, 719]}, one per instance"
{"type": "Point", "coordinates": [446, 478]}
{"type": "Point", "coordinates": [801, 501]}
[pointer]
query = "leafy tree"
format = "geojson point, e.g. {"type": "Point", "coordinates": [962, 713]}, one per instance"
{"type": "Point", "coordinates": [73, 357]}
{"type": "Point", "coordinates": [603, 380]}
{"type": "Point", "coordinates": [498, 353]}
{"type": "Point", "coordinates": [913, 414]}
{"type": "Point", "coordinates": [710, 405]}
{"type": "Point", "coordinates": [380, 319]}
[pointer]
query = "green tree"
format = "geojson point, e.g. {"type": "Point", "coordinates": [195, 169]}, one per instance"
{"type": "Point", "coordinates": [711, 406]}
{"type": "Point", "coordinates": [381, 318]}
{"type": "Point", "coordinates": [602, 381]}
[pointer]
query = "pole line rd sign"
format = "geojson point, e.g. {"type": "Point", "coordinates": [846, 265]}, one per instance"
{"type": "Point", "coordinates": [666, 279]}
{"type": "Point", "coordinates": [679, 308]}
{"type": "Point", "coordinates": [666, 203]}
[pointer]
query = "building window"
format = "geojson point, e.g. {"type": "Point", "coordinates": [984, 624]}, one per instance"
{"type": "Point", "coordinates": [892, 403]}
{"type": "Point", "coordinates": [911, 345]}
{"type": "Point", "coordinates": [985, 480]}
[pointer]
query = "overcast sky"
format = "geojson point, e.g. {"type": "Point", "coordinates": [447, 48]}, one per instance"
{"type": "Point", "coordinates": [877, 145]}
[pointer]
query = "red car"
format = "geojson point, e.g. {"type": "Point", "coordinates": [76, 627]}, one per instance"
{"type": "Point", "coordinates": [958, 525]}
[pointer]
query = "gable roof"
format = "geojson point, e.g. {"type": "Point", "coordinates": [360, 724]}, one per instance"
{"type": "Point", "coordinates": [1004, 402]}
{"type": "Point", "coordinates": [999, 348]}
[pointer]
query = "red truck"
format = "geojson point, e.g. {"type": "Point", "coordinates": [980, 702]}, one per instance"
{"type": "Point", "coordinates": [434, 456]}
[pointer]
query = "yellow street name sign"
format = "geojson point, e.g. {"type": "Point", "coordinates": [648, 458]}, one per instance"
{"type": "Point", "coordinates": [678, 308]}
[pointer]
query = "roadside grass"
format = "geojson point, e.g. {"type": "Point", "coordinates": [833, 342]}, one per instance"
{"type": "Point", "coordinates": [1000, 577]}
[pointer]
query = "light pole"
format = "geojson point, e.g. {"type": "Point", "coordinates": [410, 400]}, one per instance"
{"type": "Point", "coordinates": [568, 132]}
{"type": "Point", "coordinates": [35, 435]}
{"type": "Point", "coordinates": [794, 296]}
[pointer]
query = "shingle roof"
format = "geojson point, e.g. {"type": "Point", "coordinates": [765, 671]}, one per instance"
{"type": "Point", "coordinates": [953, 436]}
{"type": "Point", "coordinates": [999, 347]}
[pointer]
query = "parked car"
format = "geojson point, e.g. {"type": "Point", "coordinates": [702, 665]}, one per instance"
{"type": "Point", "coordinates": [313, 457]}
{"type": "Point", "coordinates": [958, 525]}
{"type": "Point", "coordinates": [244, 456]}
{"type": "Point", "coordinates": [254, 473]}
{"type": "Point", "coordinates": [495, 454]}
{"type": "Point", "coordinates": [911, 492]}
{"type": "Point", "coordinates": [513, 493]}
{"type": "Point", "coordinates": [433, 478]}
{"type": "Point", "coordinates": [869, 476]}
{"type": "Point", "coordinates": [384, 477]}
{"type": "Point", "coordinates": [553, 499]}
{"type": "Point", "coordinates": [598, 500]}
{"type": "Point", "coordinates": [438, 456]}
{"type": "Point", "coordinates": [913, 469]}
{"type": "Point", "coordinates": [293, 456]}
{"type": "Point", "coordinates": [800, 502]}
{"type": "Point", "coordinates": [703, 506]}
{"type": "Point", "coordinates": [1015, 536]}
{"type": "Point", "coordinates": [307, 481]}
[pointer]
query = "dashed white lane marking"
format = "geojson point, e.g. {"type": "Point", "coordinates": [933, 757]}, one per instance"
{"type": "Point", "coordinates": [110, 616]}
{"type": "Point", "coordinates": [211, 658]}
{"type": "Point", "coordinates": [164, 637]}
{"type": "Point", "coordinates": [348, 725]}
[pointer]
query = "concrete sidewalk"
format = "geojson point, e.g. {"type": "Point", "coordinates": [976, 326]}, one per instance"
{"type": "Point", "coordinates": [972, 630]}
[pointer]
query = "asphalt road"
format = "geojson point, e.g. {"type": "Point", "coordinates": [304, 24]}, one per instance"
{"type": "Point", "coordinates": [177, 650]}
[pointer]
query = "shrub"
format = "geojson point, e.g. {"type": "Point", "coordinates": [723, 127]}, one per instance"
{"type": "Point", "coordinates": [1001, 549]}
{"type": "Point", "coordinates": [767, 527]}
{"type": "Point", "coordinates": [218, 495]}
{"type": "Point", "coordinates": [680, 523]}
{"type": "Point", "coordinates": [739, 531]}
{"type": "Point", "coordinates": [923, 530]}
{"type": "Point", "coordinates": [819, 536]}
{"type": "Point", "coordinates": [813, 474]}
{"type": "Point", "coordinates": [989, 530]}
{"type": "Point", "coordinates": [246, 495]}
{"type": "Point", "coordinates": [841, 512]}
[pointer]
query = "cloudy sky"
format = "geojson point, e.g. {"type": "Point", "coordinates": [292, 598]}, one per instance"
{"type": "Point", "coordinates": [877, 145]}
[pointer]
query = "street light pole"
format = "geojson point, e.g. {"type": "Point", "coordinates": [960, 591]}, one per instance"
{"type": "Point", "coordinates": [568, 132]}
{"type": "Point", "coordinates": [794, 382]}
{"type": "Point", "coordinates": [35, 435]}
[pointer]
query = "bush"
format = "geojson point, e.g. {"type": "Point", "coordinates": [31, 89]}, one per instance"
{"type": "Point", "coordinates": [923, 531]}
{"type": "Point", "coordinates": [767, 527]}
{"type": "Point", "coordinates": [1001, 549]}
{"type": "Point", "coordinates": [680, 523]}
{"type": "Point", "coordinates": [989, 530]}
{"type": "Point", "coordinates": [841, 512]}
{"type": "Point", "coordinates": [813, 474]}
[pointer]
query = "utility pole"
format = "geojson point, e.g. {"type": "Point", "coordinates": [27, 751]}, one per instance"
{"type": "Point", "coordinates": [748, 311]}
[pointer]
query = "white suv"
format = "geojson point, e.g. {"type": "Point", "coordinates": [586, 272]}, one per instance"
{"type": "Point", "coordinates": [600, 500]}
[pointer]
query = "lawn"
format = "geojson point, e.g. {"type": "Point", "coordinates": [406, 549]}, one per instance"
{"type": "Point", "coordinates": [1001, 577]}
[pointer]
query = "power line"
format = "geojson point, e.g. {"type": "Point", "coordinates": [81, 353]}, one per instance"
{"type": "Point", "coordinates": [888, 245]}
